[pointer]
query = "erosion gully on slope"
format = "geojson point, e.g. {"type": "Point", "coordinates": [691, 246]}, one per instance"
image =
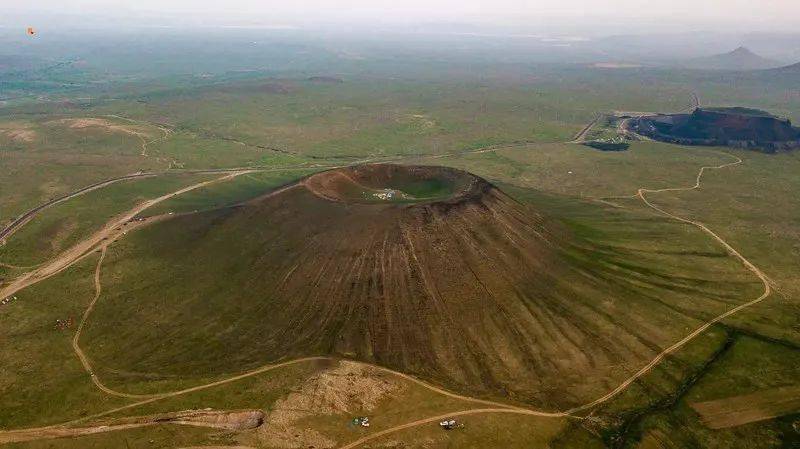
{"type": "Point", "coordinates": [60, 263]}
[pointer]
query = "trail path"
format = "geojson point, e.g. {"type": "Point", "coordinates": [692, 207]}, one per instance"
{"type": "Point", "coordinates": [215, 419]}
{"type": "Point", "coordinates": [438, 418]}
{"type": "Point", "coordinates": [47, 430]}
{"type": "Point", "coordinates": [17, 267]}
{"type": "Point", "coordinates": [20, 221]}
{"type": "Point", "coordinates": [114, 229]}
{"type": "Point", "coordinates": [641, 194]}
{"type": "Point", "coordinates": [27, 216]}
{"type": "Point", "coordinates": [731, 250]}
{"type": "Point", "coordinates": [76, 338]}
{"type": "Point", "coordinates": [145, 143]}
{"type": "Point", "coordinates": [581, 136]}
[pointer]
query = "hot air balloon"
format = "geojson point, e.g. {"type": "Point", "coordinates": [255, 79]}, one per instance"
{"type": "Point", "coordinates": [31, 31]}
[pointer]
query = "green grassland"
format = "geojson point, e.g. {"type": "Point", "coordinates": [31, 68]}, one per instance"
{"type": "Point", "coordinates": [161, 437]}
{"type": "Point", "coordinates": [43, 382]}
{"type": "Point", "coordinates": [143, 338]}
{"type": "Point", "coordinates": [57, 228]}
{"type": "Point", "coordinates": [669, 275]}
{"type": "Point", "coordinates": [238, 190]}
{"type": "Point", "coordinates": [58, 159]}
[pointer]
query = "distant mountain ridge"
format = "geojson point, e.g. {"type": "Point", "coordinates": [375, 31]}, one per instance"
{"type": "Point", "coordinates": [793, 68]}
{"type": "Point", "coordinates": [741, 58]}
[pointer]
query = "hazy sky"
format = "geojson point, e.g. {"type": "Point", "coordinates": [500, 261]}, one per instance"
{"type": "Point", "coordinates": [738, 15]}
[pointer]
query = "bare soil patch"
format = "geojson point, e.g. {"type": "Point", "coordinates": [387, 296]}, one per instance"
{"type": "Point", "coordinates": [347, 388]}
{"type": "Point", "coordinates": [21, 135]}
{"type": "Point", "coordinates": [19, 132]}
{"type": "Point", "coordinates": [238, 420]}
{"type": "Point", "coordinates": [93, 123]}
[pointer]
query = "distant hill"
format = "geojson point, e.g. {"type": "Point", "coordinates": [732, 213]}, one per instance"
{"type": "Point", "coordinates": [739, 59]}
{"type": "Point", "coordinates": [794, 68]}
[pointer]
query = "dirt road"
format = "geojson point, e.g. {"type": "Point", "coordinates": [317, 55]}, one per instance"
{"type": "Point", "coordinates": [438, 418]}
{"type": "Point", "coordinates": [641, 194]}
{"type": "Point", "coordinates": [581, 136]}
{"type": "Point", "coordinates": [731, 250]}
{"type": "Point", "coordinates": [114, 230]}
{"type": "Point", "coordinates": [232, 420]}
{"type": "Point", "coordinates": [111, 231]}
{"type": "Point", "coordinates": [23, 219]}
{"type": "Point", "coordinates": [76, 338]}
{"type": "Point", "coordinates": [20, 221]}
{"type": "Point", "coordinates": [145, 143]}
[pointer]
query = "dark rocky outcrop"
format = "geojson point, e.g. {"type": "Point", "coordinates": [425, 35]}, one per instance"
{"type": "Point", "coordinates": [734, 127]}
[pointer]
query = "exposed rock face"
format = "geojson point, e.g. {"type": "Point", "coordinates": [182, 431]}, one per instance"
{"type": "Point", "coordinates": [734, 127]}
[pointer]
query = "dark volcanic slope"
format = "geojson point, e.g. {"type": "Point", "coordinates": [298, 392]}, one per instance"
{"type": "Point", "coordinates": [741, 127]}
{"type": "Point", "coordinates": [450, 279]}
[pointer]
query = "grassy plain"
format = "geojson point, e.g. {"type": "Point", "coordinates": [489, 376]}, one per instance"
{"type": "Point", "coordinates": [666, 275]}
{"type": "Point", "coordinates": [649, 292]}
{"type": "Point", "coordinates": [62, 225]}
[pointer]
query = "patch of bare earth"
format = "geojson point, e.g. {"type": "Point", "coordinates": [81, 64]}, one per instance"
{"type": "Point", "coordinates": [89, 123]}
{"type": "Point", "coordinates": [21, 135]}
{"type": "Point", "coordinates": [18, 132]}
{"type": "Point", "coordinates": [348, 388]}
{"type": "Point", "coordinates": [237, 420]}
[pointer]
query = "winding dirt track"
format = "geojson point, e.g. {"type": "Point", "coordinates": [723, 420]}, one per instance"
{"type": "Point", "coordinates": [438, 418]}
{"type": "Point", "coordinates": [27, 216]}
{"type": "Point", "coordinates": [581, 136]}
{"type": "Point", "coordinates": [145, 144]}
{"type": "Point", "coordinates": [114, 229]}
{"type": "Point", "coordinates": [641, 194]}
{"type": "Point", "coordinates": [23, 219]}
{"type": "Point", "coordinates": [20, 221]}
{"type": "Point", "coordinates": [84, 248]}
{"type": "Point", "coordinates": [76, 338]}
